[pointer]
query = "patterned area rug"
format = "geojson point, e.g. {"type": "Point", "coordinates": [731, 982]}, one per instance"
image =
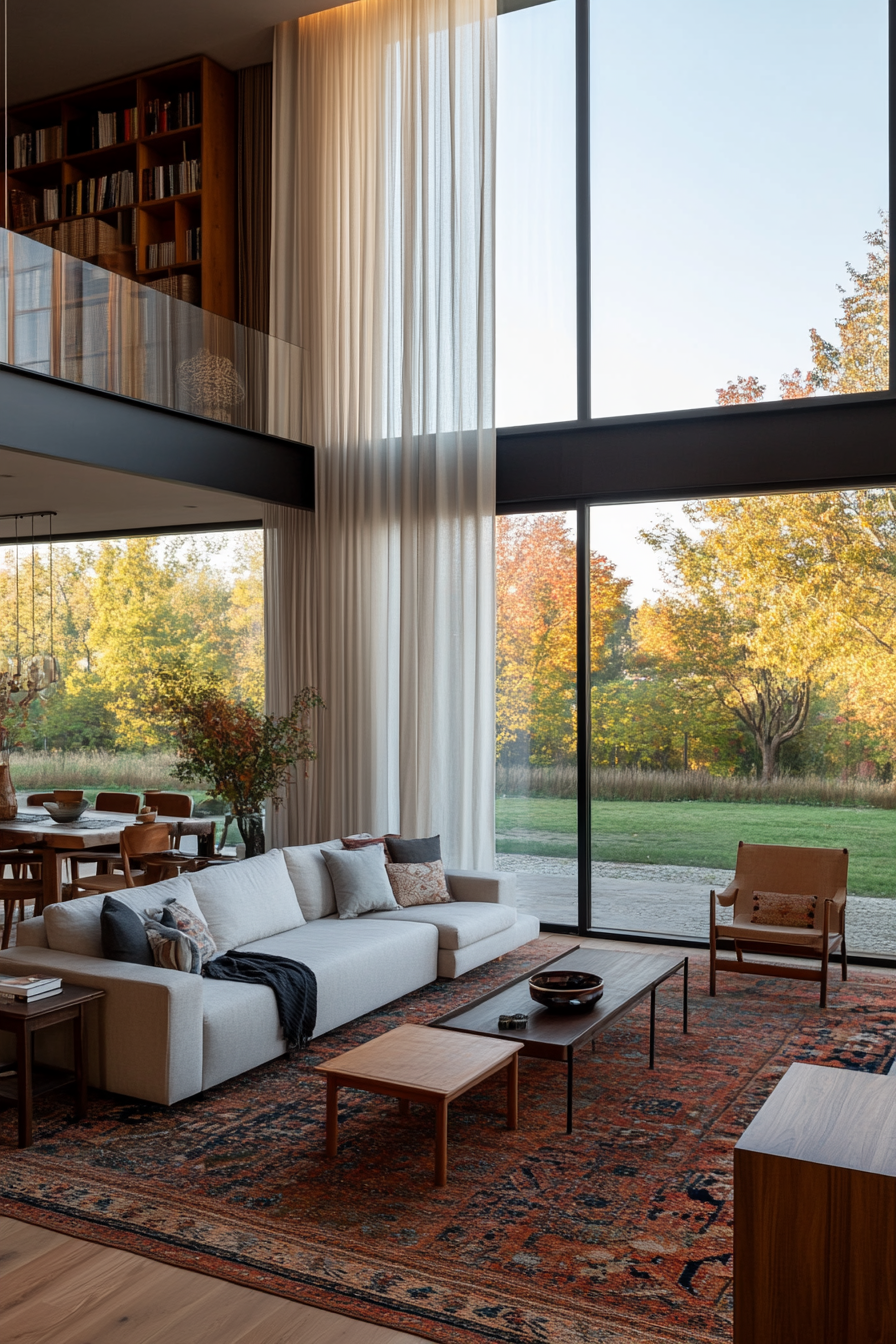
{"type": "Point", "coordinates": [617, 1234]}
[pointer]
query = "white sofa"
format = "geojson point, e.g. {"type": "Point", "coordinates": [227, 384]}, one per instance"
{"type": "Point", "coordinates": [163, 1035]}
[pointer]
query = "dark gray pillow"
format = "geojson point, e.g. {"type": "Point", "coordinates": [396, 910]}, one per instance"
{"type": "Point", "coordinates": [414, 851]}
{"type": "Point", "coordinates": [123, 935]}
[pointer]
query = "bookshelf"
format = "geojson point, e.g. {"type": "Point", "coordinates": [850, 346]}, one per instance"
{"type": "Point", "coordinates": [137, 175]}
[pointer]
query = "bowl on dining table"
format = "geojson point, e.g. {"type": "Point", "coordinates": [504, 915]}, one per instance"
{"type": "Point", "coordinates": [69, 812]}
{"type": "Point", "coordinates": [571, 990]}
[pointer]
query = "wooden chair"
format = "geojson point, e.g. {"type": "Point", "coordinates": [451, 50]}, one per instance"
{"type": "Point", "coordinates": [35, 799]}
{"type": "Point", "coordinates": [788, 870]}
{"type": "Point", "coordinates": [118, 802]}
{"type": "Point", "coordinates": [136, 842]}
{"type": "Point", "coordinates": [18, 889]}
{"type": "Point", "coordinates": [169, 805]}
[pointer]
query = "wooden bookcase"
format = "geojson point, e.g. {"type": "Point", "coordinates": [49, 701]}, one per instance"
{"type": "Point", "coordinates": [211, 208]}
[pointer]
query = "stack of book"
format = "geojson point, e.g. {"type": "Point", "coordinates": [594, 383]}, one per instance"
{"type": "Point", "coordinates": [171, 179]}
{"type": "Point", "coordinates": [194, 244]}
{"type": "Point", "coordinates": [51, 202]}
{"type": "Point", "coordinates": [28, 988]}
{"type": "Point", "coordinates": [102, 129]}
{"type": "Point", "coordinates": [171, 114]}
{"type": "Point", "coordinates": [36, 146]}
{"type": "Point", "coordinates": [22, 208]}
{"type": "Point", "coordinates": [160, 254]}
{"type": "Point", "coordinates": [183, 287]}
{"type": "Point", "coordinates": [100, 193]}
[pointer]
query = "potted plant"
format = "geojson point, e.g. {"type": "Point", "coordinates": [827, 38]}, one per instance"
{"type": "Point", "coordinates": [240, 755]}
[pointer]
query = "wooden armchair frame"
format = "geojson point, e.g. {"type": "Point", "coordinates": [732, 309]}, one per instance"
{"type": "Point", "coordinates": [792, 870]}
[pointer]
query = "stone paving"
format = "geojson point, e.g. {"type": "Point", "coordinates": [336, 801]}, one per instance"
{"type": "Point", "coordinates": [662, 898]}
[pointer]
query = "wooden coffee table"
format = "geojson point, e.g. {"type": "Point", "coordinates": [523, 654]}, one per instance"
{"type": "Point", "coordinates": [629, 977]}
{"type": "Point", "coordinates": [416, 1064]}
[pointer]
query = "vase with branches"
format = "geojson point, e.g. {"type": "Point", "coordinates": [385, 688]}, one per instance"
{"type": "Point", "coordinates": [241, 756]}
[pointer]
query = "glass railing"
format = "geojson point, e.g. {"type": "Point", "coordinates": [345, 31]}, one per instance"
{"type": "Point", "coordinates": [69, 319]}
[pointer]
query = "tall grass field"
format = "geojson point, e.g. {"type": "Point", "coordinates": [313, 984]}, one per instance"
{"type": "Point", "coordinates": [40, 770]}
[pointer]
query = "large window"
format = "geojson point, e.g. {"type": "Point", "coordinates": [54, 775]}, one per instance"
{"type": "Point", "coordinates": [536, 227]}
{"type": "Point", "coordinates": [739, 158]}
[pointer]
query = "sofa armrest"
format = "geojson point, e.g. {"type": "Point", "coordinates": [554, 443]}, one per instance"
{"type": "Point", "coordinates": [496, 888]}
{"type": "Point", "coordinates": [144, 1037]}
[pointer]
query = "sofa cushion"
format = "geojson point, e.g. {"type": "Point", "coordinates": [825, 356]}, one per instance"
{"type": "Point", "coordinates": [74, 926]}
{"type": "Point", "coordinates": [460, 923]}
{"type": "Point", "coordinates": [358, 965]}
{"type": "Point", "coordinates": [241, 902]}
{"type": "Point", "coordinates": [173, 950]}
{"type": "Point", "coordinates": [184, 919]}
{"type": "Point", "coordinates": [418, 883]}
{"type": "Point", "coordinates": [413, 851]}
{"type": "Point", "coordinates": [311, 879]}
{"type": "Point", "coordinates": [359, 881]}
{"type": "Point", "coordinates": [123, 934]}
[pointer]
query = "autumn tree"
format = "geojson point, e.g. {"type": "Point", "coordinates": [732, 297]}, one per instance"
{"type": "Point", "coordinates": [536, 634]}
{"type": "Point", "coordinates": [728, 622]}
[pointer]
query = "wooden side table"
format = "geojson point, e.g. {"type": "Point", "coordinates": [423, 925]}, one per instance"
{"type": "Point", "coordinates": [417, 1064]}
{"type": "Point", "coordinates": [815, 1211]}
{"type": "Point", "coordinates": [23, 1020]}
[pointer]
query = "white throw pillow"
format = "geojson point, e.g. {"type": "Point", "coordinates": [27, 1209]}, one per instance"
{"type": "Point", "coordinates": [360, 883]}
{"type": "Point", "coordinates": [74, 926]}
{"type": "Point", "coordinates": [310, 878]}
{"type": "Point", "coordinates": [242, 902]}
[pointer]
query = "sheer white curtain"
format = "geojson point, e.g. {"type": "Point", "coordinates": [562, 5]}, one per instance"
{"type": "Point", "coordinates": [382, 269]}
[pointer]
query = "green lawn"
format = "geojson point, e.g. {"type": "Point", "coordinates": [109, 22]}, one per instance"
{"type": "Point", "coordinates": [705, 835]}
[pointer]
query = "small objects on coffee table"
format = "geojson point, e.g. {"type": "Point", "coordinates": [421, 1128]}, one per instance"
{"type": "Point", "coordinates": [513, 1021]}
{"type": "Point", "coordinates": [578, 990]}
{"type": "Point", "coordinates": [415, 1064]}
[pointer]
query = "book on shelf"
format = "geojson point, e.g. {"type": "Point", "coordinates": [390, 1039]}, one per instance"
{"type": "Point", "coordinates": [51, 202]}
{"type": "Point", "coordinates": [193, 244]}
{"type": "Point", "coordinates": [171, 179]}
{"type": "Point", "coordinates": [100, 193]}
{"type": "Point", "coordinates": [160, 254]}
{"type": "Point", "coordinates": [36, 146]}
{"type": "Point", "coordinates": [27, 988]}
{"type": "Point", "coordinates": [171, 114]}
{"type": "Point", "coordinates": [22, 208]}
{"type": "Point", "coordinates": [101, 130]}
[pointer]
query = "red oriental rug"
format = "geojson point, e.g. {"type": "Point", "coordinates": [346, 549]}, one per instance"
{"type": "Point", "coordinates": [617, 1234]}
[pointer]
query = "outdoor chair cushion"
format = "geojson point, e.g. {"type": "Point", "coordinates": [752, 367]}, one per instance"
{"type": "Point", "coordinates": [74, 926]}
{"type": "Point", "coordinates": [242, 902]}
{"type": "Point", "coordinates": [460, 923]}
{"type": "Point", "coordinates": [784, 909]}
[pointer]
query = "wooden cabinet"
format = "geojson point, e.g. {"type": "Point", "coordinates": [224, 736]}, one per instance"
{"type": "Point", "coordinates": [152, 160]}
{"type": "Point", "coordinates": [815, 1212]}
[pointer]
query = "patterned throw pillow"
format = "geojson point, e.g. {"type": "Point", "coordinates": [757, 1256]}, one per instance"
{"type": "Point", "coordinates": [171, 949]}
{"type": "Point", "coordinates": [418, 883]}
{"type": "Point", "coordinates": [362, 842]}
{"type": "Point", "coordinates": [784, 910]}
{"type": "Point", "coordinates": [175, 916]}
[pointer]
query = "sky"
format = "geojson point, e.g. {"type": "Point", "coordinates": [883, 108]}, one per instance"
{"type": "Point", "coordinates": [739, 156]}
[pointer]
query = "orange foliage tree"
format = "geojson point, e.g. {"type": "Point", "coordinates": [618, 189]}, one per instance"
{"type": "Point", "coordinates": [536, 635]}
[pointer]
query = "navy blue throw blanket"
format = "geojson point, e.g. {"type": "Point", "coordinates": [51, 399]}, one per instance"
{"type": "Point", "coordinates": [293, 984]}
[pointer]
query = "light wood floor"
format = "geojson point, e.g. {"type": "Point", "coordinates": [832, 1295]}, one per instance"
{"type": "Point", "coordinates": [56, 1289]}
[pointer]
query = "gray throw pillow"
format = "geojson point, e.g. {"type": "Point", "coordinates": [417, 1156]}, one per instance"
{"type": "Point", "coordinates": [414, 851]}
{"type": "Point", "coordinates": [123, 935]}
{"type": "Point", "coordinates": [359, 879]}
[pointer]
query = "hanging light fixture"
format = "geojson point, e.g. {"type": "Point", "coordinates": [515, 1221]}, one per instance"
{"type": "Point", "coordinates": [29, 677]}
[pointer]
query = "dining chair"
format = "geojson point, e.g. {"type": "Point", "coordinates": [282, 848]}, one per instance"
{"type": "Point", "coordinates": [17, 889]}
{"type": "Point", "coordinates": [35, 799]}
{"type": "Point", "coordinates": [137, 842]}
{"type": "Point", "coordinates": [169, 804]}
{"type": "Point", "coordinates": [118, 802]}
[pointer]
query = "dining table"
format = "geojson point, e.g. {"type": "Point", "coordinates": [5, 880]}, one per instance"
{"type": "Point", "coordinates": [92, 830]}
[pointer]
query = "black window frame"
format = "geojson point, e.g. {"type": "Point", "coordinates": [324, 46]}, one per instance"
{"type": "Point", "coordinates": [818, 443]}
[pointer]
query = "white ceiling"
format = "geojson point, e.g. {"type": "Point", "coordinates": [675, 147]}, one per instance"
{"type": "Point", "coordinates": [88, 500]}
{"type": "Point", "coordinates": [56, 45]}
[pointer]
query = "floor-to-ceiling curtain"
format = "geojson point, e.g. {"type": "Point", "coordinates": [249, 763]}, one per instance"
{"type": "Point", "coordinates": [382, 269]}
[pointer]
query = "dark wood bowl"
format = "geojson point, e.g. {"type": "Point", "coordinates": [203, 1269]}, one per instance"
{"type": "Point", "coordinates": [576, 990]}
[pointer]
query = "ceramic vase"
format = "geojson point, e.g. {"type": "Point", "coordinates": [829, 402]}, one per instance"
{"type": "Point", "coordinates": [251, 828]}
{"type": "Point", "coordinates": [8, 805]}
